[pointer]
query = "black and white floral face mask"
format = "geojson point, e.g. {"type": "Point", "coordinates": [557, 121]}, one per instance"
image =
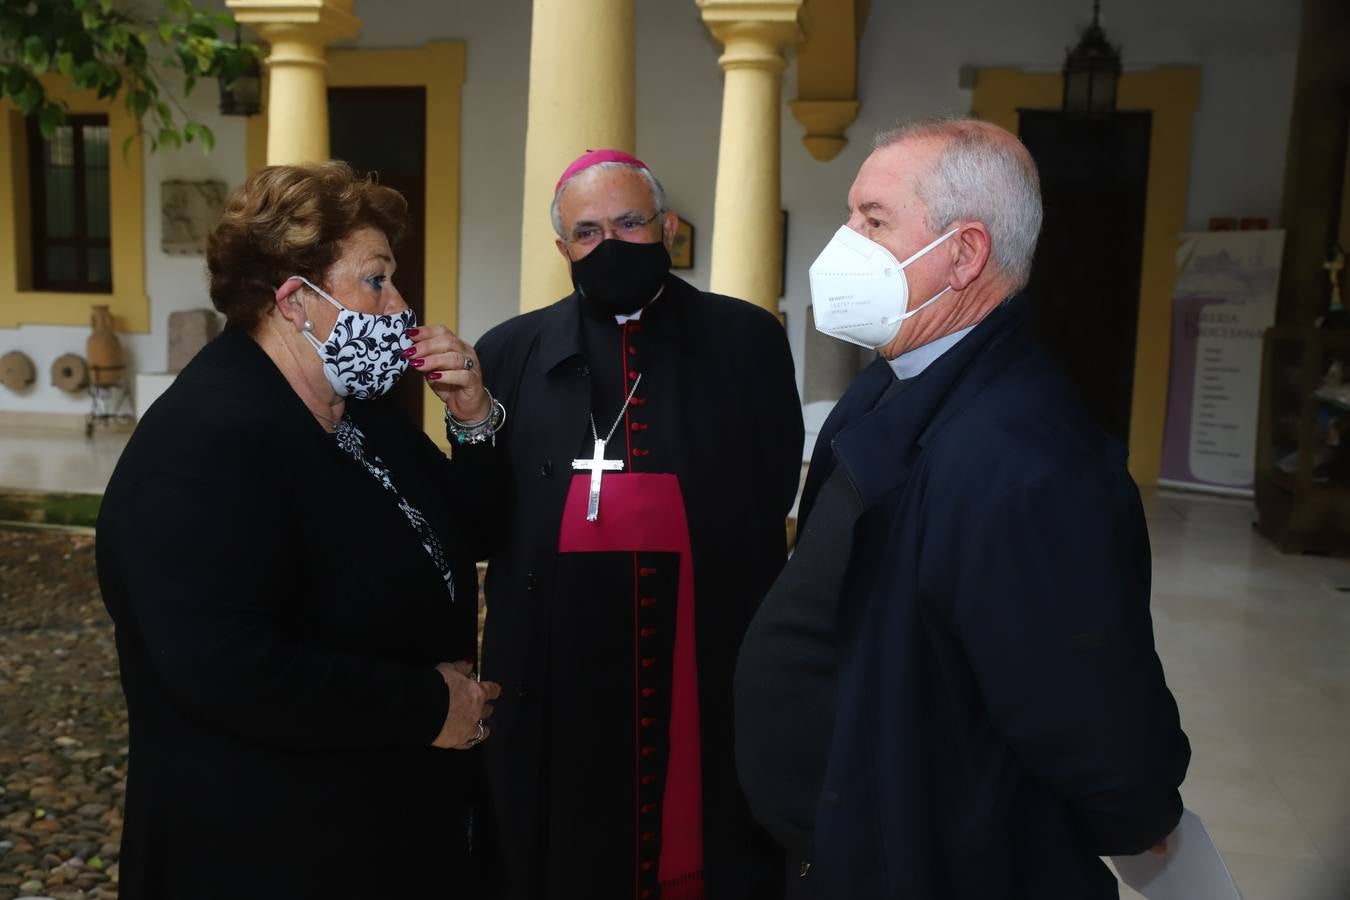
{"type": "Point", "coordinates": [363, 357]}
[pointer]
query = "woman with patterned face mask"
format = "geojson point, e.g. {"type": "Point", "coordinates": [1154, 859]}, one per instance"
{"type": "Point", "coordinates": [289, 563]}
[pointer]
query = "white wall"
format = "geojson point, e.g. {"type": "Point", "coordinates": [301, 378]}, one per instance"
{"type": "Point", "coordinates": [679, 96]}
{"type": "Point", "coordinates": [910, 59]}
{"type": "Point", "coordinates": [172, 282]}
{"type": "Point", "coordinates": [909, 66]}
{"type": "Point", "coordinates": [497, 40]}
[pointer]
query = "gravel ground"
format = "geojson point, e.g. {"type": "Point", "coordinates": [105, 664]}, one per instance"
{"type": "Point", "coordinates": [63, 722]}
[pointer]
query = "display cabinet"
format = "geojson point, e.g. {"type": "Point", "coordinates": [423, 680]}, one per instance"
{"type": "Point", "coordinates": [1303, 451]}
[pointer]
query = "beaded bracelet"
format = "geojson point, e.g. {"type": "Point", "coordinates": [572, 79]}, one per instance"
{"type": "Point", "coordinates": [477, 432]}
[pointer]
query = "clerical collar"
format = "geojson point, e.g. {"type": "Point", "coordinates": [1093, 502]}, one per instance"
{"type": "Point", "coordinates": [633, 317]}
{"type": "Point", "coordinates": [912, 363]}
{"type": "Point", "coordinates": [595, 311]}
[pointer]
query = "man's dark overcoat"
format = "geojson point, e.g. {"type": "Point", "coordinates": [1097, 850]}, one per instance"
{"type": "Point", "coordinates": [1002, 716]}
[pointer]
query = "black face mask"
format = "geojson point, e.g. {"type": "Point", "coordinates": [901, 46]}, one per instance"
{"type": "Point", "coordinates": [620, 277]}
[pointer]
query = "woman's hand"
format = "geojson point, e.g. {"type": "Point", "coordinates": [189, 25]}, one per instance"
{"type": "Point", "coordinates": [452, 371]}
{"type": "Point", "coordinates": [469, 707]}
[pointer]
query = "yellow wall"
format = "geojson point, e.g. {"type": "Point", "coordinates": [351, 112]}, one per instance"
{"type": "Point", "coordinates": [19, 304]}
{"type": "Point", "coordinates": [1171, 94]}
{"type": "Point", "coordinates": [439, 68]}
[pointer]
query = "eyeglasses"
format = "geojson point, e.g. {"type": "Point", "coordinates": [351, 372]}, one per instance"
{"type": "Point", "coordinates": [623, 227]}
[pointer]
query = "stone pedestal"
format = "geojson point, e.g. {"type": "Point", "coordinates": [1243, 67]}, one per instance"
{"type": "Point", "coordinates": [189, 332]}
{"type": "Point", "coordinates": [830, 365]}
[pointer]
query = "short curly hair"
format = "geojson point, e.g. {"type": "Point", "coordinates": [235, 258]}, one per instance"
{"type": "Point", "coordinates": [289, 220]}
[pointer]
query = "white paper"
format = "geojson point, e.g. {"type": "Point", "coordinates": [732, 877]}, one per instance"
{"type": "Point", "coordinates": [1191, 869]}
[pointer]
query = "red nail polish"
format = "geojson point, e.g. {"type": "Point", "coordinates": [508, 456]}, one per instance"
{"type": "Point", "coordinates": [409, 352]}
{"type": "Point", "coordinates": [412, 332]}
{"type": "Point", "coordinates": [419, 363]}
{"type": "Point", "coordinates": [433, 376]}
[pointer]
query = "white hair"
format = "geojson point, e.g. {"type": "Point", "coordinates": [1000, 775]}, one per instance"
{"type": "Point", "coordinates": [982, 174]}
{"type": "Point", "coordinates": [658, 192]}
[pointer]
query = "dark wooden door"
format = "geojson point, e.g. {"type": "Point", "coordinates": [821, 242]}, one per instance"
{"type": "Point", "coordinates": [1085, 280]}
{"type": "Point", "coordinates": [382, 132]}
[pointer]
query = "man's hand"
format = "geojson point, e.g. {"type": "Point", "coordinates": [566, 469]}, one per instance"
{"type": "Point", "coordinates": [469, 705]}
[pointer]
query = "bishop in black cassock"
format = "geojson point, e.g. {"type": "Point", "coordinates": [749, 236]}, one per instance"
{"type": "Point", "coordinates": [614, 620]}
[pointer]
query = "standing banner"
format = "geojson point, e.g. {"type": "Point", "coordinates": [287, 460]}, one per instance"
{"type": "Point", "coordinates": [1222, 305]}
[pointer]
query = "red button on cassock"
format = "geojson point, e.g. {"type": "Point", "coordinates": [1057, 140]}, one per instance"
{"type": "Point", "coordinates": [632, 374]}
{"type": "Point", "coordinates": [645, 571]}
{"type": "Point", "coordinates": [648, 601]}
{"type": "Point", "coordinates": [639, 426]}
{"type": "Point", "coordinates": [648, 632]}
{"type": "Point", "coordinates": [648, 662]}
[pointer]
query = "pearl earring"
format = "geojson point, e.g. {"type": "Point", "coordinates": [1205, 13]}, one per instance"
{"type": "Point", "coordinates": [309, 326]}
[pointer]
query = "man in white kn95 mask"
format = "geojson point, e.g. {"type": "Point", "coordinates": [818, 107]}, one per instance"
{"type": "Point", "coordinates": [951, 691]}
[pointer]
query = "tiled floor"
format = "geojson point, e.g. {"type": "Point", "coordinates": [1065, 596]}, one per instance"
{"type": "Point", "coordinates": [1256, 646]}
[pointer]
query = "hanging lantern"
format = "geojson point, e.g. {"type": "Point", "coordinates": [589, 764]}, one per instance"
{"type": "Point", "coordinates": [241, 93]}
{"type": "Point", "coordinates": [1092, 72]}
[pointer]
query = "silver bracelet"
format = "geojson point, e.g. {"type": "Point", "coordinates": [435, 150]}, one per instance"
{"type": "Point", "coordinates": [476, 432]}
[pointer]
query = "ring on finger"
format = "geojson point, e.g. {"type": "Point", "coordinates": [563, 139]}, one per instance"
{"type": "Point", "coordinates": [480, 736]}
{"type": "Point", "coordinates": [468, 363]}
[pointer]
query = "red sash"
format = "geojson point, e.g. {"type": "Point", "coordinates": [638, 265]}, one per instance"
{"type": "Point", "coordinates": [646, 513]}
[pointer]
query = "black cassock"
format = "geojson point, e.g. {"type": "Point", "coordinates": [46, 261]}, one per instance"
{"type": "Point", "coordinates": [582, 643]}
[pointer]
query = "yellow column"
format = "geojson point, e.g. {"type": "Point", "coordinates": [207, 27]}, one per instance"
{"type": "Point", "coordinates": [581, 98]}
{"type": "Point", "coordinates": [747, 244]}
{"type": "Point", "coordinates": [297, 99]}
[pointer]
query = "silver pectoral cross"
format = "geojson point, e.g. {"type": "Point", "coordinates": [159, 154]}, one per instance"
{"type": "Point", "coordinates": [597, 464]}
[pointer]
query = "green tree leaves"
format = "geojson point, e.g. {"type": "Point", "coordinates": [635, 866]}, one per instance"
{"type": "Point", "coordinates": [104, 49]}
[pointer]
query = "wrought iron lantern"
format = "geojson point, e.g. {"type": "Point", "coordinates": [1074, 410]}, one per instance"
{"type": "Point", "coordinates": [1092, 72]}
{"type": "Point", "coordinates": [241, 93]}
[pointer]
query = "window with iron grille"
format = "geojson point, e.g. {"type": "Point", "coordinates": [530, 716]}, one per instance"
{"type": "Point", "coordinates": [70, 209]}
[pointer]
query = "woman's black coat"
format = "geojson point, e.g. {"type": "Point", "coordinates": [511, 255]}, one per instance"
{"type": "Point", "coordinates": [278, 622]}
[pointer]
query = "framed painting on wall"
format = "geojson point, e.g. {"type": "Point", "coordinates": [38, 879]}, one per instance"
{"type": "Point", "coordinates": [682, 250]}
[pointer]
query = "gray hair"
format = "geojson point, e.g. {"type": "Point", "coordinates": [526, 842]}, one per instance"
{"type": "Point", "coordinates": [982, 174]}
{"type": "Point", "coordinates": [658, 192]}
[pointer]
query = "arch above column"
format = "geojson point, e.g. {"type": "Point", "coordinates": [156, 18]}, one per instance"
{"type": "Point", "coordinates": [827, 74]}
